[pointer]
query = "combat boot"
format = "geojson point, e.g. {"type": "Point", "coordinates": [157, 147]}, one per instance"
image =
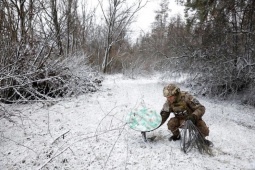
{"type": "Point", "coordinates": [175, 138]}
{"type": "Point", "coordinates": [208, 143]}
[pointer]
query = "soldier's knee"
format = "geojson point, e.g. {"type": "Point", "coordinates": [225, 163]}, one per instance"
{"type": "Point", "coordinates": [173, 123]}
{"type": "Point", "coordinates": [206, 133]}
{"type": "Point", "coordinates": [204, 129]}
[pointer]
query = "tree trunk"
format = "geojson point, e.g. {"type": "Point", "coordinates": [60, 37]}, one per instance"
{"type": "Point", "coordinates": [56, 25]}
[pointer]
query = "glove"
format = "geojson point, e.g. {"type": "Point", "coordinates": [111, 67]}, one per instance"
{"type": "Point", "coordinates": [179, 108]}
{"type": "Point", "coordinates": [164, 116]}
{"type": "Point", "coordinates": [193, 118]}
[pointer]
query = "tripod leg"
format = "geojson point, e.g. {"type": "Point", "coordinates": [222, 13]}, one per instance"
{"type": "Point", "coordinates": [144, 136]}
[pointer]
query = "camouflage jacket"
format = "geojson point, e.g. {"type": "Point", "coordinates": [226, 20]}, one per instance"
{"type": "Point", "coordinates": [185, 104]}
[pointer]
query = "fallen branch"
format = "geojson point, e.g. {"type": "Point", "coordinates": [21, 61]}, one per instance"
{"type": "Point", "coordinates": [53, 158]}
{"type": "Point", "coordinates": [89, 137]}
{"type": "Point", "coordinates": [113, 146]}
{"type": "Point", "coordinates": [20, 144]}
{"type": "Point", "coordinates": [62, 135]}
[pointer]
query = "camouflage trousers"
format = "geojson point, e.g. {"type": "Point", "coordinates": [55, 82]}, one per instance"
{"type": "Point", "coordinates": [175, 123]}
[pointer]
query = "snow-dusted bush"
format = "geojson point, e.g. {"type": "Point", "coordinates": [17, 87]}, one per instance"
{"type": "Point", "coordinates": [83, 78]}
{"type": "Point", "coordinates": [214, 76]}
{"type": "Point", "coordinates": [27, 75]}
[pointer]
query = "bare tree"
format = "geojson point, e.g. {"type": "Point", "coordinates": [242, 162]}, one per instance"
{"type": "Point", "coordinates": [54, 12]}
{"type": "Point", "coordinates": [117, 17]}
{"type": "Point", "coordinates": [69, 22]}
{"type": "Point", "coordinates": [159, 30]}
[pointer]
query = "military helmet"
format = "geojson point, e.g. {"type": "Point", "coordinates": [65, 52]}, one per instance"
{"type": "Point", "coordinates": [171, 90]}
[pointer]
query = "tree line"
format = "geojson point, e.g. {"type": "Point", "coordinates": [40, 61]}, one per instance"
{"type": "Point", "coordinates": [214, 45]}
{"type": "Point", "coordinates": [40, 38]}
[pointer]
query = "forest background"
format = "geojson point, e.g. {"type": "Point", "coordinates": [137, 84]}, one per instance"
{"type": "Point", "coordinates": [53, 48]}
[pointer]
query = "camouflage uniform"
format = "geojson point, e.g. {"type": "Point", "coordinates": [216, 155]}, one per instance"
{"type": "Point", "coordinates": [184, 105]}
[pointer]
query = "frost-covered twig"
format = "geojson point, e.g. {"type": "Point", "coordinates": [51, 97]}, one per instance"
{"type": "Point", "coordinates": [62, 135]}
{"type": "Point", "coordinates": [81, 139]}
{"type": "Point", "coordinates": [4, 113]}
{"type": "Point", "coordinates": [53, 157]}
{"type": "Point", "coordinates": [113, 146]}
{"type": "Point", "coordinates": [104, 117]}
{"type": "Point", "coordinates": [19, 144]}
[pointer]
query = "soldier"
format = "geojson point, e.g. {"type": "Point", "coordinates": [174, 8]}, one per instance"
{"type": "Point", "coordinates": [185, 107]}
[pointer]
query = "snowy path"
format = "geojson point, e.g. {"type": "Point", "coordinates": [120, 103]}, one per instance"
{"type": "Point", "coordinates": [89, 132]}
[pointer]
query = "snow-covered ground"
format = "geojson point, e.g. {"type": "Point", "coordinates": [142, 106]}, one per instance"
{"type": "Point", "coordinates": [90, 132]}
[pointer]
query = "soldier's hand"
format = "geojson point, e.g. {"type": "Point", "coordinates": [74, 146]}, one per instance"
{"type": "Point", "coordinates": [179, 108]}
{"type": "Point", "coordinates": [193, 118]}
{"type": "Point", "coordinates": [164, 114]}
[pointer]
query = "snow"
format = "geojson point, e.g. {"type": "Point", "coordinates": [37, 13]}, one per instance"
{"type": "Point", "coordinates": [90, 132]}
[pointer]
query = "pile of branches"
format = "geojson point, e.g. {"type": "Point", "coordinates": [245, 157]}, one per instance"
{"type": "Point", "coordinates": [193, 138]}
{"type": "Point", "coordinates": [39, 74]}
